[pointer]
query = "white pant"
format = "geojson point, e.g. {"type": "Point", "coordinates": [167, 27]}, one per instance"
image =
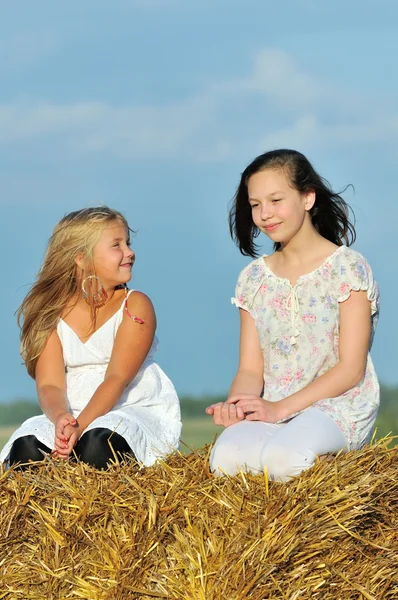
{"type": "Point", "coordinates": [285, 449]}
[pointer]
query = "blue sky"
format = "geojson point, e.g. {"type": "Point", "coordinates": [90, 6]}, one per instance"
{"type": "Point", "coordinates": [155, 107]}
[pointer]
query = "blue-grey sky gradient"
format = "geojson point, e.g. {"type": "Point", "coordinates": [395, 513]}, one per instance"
{"type": "Point", "coordinates": [155, 107]}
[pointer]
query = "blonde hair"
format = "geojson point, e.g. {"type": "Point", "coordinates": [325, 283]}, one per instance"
{"type": "Point", "coordinates": [59, 280]}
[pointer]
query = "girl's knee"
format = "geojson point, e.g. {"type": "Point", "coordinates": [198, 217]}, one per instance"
{"type": "Point", "coordinates": [97, 447]}
{"type": "Point", "coordinates": [229, 457]}
{"type": "Point", "coordinates": [238, 448]}
{"type": "Point", "coordinates": [282, 462]}
{"type": "Point", "coordinates": [224, 458]}
{"type": "Point", "coordinates": [27, 448]}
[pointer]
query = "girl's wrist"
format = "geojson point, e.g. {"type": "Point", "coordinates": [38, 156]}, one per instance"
{"type": "Point", "coordinates": [57, 415]}
{"type": "Point", "coordinates": [283, 409]}
{"type": "Point", "coordinates": [82, 424]}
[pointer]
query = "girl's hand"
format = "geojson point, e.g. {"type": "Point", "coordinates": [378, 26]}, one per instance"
{"type": "Point", "coordinates": [225, 414]}
{"type": "Point", "coordinates": [64, 446]}
{"type": "Point", "coordinates": [61, 423]}
{"type": "Point", "coordinates": [256, 408]}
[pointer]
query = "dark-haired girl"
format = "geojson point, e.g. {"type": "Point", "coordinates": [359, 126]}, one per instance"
{"type": "Point", "coordinates": [306, 385]}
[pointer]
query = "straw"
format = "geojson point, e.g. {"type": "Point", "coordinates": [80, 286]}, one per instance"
{"type": "Point", "coordinates": [175, 531]}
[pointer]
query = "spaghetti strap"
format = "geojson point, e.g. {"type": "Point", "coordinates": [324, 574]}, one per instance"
{"type": "Point", "coordinates": [128, 313]}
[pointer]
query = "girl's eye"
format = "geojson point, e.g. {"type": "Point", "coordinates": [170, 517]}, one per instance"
{"type": "Point", "coordinates": [276, 199]}
{"type": "Point", "coordinates": [254, 205]}
{"type": "Point", "coordinates": [116, 245]}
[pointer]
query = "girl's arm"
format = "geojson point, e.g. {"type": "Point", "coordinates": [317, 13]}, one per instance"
{"type": "Point", "coordinates": [132, 344]}
{"type": "Point", "coordinates": [354, 337]}
{"type": "Point", "coordinates": [51, 391]}
{"type": "Point", "coordinates": [50, 379]}
{"type": "Point", "coordinates": [249, 378]}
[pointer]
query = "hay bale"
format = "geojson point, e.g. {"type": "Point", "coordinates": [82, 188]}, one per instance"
{"type": "Point", "coordinates": [175, 531]}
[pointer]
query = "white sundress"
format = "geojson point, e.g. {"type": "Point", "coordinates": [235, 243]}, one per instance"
{"type": "Point", "coordinates": [298, 328]}
{"type": "Point", "coordinates": [147, 414]}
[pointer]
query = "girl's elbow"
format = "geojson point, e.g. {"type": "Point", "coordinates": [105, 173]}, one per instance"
{"type": "Point", "coordinates": [45, 389]}
{"type": "Point", "coordinates": [118, 379]}
{"type": "Point", "coordinates": [355, 374]}
{"type": "Point", "coordinates": [254, 371]}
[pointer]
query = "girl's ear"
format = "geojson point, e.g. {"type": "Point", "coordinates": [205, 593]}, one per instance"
{"type": "Point", "coordinates": [310, 198]}
{"type": "Point", "coordinates": [79, 260]}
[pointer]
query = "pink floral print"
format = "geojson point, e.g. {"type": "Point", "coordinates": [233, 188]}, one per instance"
{"type": "Point", "coordinates": [300, 346]}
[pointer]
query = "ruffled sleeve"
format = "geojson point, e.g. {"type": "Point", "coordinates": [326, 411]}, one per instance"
{"type": "Point", "coordinates": [356, 275]}
{"type": "Point", "coordinates": [248, 283]}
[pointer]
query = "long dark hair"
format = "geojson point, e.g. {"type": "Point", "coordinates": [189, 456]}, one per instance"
{"type": "Point", "coordinates": [329, 215]}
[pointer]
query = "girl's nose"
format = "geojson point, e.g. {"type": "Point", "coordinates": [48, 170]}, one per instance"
{"type": "Point", "coordinates": [266, 211]}
{"type": "Point", "coordinates": [130, 254]}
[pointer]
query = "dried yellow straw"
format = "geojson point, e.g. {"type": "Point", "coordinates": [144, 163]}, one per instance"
{"type": "Point", "coordinates": [174, 531]}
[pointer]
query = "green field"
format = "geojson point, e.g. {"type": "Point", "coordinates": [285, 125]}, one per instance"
{"type": "Point", "coordinates": [5, 433]}
{"type": "Point", "coordinates": [195, 433]}
{"type": "Point", "coordinates": [198, 432]}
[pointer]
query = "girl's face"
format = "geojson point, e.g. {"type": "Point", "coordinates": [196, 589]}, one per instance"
{"type": "Point", "coordinates": [113, 257]}
{"type": "Point", "coordinates": [278, 210]}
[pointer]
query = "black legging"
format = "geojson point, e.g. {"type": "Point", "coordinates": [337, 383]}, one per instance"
{"type": "Point", "coordinates": [94, 448]}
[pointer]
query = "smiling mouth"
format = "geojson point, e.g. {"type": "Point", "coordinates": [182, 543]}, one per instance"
{"type": "Point", "coordinates": [271, 227]}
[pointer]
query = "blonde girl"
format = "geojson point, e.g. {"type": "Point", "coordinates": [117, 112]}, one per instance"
{"type": "Point", "coordinates": [89, 343]}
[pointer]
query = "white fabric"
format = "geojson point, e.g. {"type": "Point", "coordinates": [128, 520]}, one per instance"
{"type": "Point", "coordinates": [298, 330]}
{"type": "Point", "coordinates": [148, 413]}
{"type": "Point", "coordinates": [285, 449]}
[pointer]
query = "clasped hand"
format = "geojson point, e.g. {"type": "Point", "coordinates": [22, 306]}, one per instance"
{"type": "Point", "coordinates": [241, 407]}
{"type": "Point", "coordinates": [67, 433]}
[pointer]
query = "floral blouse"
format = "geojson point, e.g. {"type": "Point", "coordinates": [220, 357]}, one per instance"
{"type": "Point", "coordinates": [298, 328]}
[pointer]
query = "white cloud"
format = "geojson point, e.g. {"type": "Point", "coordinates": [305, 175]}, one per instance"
{"type": "Point", "coordinates": [310, 131]}
{"type": "Point", "coordinates": [211, 125]}
{"type": "Point", "coordinates": [96, 127]}
{"type": "Point", "coordinates": [275, 75]}
{"type": "Point", "coordinates": [316, 112]}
